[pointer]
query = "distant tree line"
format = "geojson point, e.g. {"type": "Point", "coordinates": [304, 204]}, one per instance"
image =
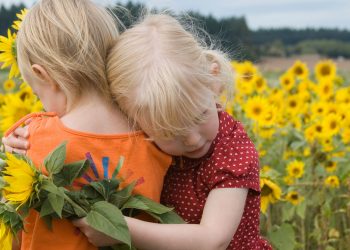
{"type": "Point", "coordinates": [233, 35]}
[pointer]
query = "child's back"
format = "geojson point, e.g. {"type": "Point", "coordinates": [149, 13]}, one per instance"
{"type": "Point", "coordinates": [62, 48]}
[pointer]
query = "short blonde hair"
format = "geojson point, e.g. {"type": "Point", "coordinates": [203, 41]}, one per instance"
{"type": "Point", "coordinates": [160, 76]}
{"type": "Point", "coordinates": [70, 39]}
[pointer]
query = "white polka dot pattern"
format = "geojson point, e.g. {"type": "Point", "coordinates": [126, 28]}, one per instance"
{"type": "Point", "coordinates": [232, 162]}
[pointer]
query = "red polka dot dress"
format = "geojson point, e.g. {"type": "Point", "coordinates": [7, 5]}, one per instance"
{"type": "Point", "coordinates": [232, 162]}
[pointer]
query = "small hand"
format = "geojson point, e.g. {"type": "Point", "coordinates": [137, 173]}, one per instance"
{"type": "Point", "coordinates": [17, 142]}
{"type": "Point", "coordinates": [95, 237]}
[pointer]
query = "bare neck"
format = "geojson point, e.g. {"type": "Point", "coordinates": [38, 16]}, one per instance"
{"type": "Point", "coordinates": [94, 114]}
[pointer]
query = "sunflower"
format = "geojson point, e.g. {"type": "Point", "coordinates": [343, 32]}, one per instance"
{"type": "Point", "coordinates": [342, 95]}
{"type": "Point", "coordinates": [6, 236]}
{"type": "Point", "coordinates": [288, 180]}
{"type": "Point", "coordinates": [294, 197]}
{"type": "Point", "coordinates": [305, 85]}
{"type": "Point", "coordinates": [325, 69]}
{"type": "Point", "coordinates": [332, 123]}
{"type": "Point", "coordinates": [270, 193]}
{"type": "Point", "coordinates": [294, 104]}
{"type": "Point", "coordinates": [327, 144]}
{"type": "Point", "coordinates": [15, 108]}
{"type": "Point", "coordinates": [310, 134]}
{"type": "Point", "coordinates": [325, 89]}
{"type": "Point", "coordinates": [306, 152]}
{"type": "Point", "coordinates": [320, 130]}
{"type": "Point", "coordinates": [246, 74]}
{"type": "Point", "coordinates": [287, 81]}
{"type": "Point", "coordinates": [269, 116]}
{"type": "Point", "coordinates": [332, 181]}
{"type": "Point", "coordinates": [246, 71]}
{"type": "Point", "coordinates": [21, 179]}
{"type": "Point", "coordinates": [296, 122]}
{"type": "Point", "coordinates": [318, 109]}
{"type": "Point", "coordinates": [295, 169]}
{"type": "Point", "coordinates": [8, 54]}
{"type": "Point", "coordinates": [255, 107]}
{"type": "Point", "coordinates": [300, 70]}
{"type": "Point", "coordinates": [264, 132]}
{"type": "Point", "coordinates": [330, 166]}
{"type": "Point", "coordinates": [9, 85]}
{"type": "Point", "coordinates": [260, 84]}
{"type": "Point", "coordinates": [17, 24]}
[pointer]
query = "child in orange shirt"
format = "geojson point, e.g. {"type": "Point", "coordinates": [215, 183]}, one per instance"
{"type": "Point", "coordinates": [62, 48]}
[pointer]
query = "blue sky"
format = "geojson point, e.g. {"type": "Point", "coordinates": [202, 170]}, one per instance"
{"type": "Point", "coordinates": [259, 13]}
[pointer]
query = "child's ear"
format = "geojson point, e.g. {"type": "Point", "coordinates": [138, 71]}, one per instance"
{"type": "Point", "coordinates": [43, 75]}
{"type": "Point", "coordinates": [215, 69]}
{"type": "Point", "coordinates": [40, 72]}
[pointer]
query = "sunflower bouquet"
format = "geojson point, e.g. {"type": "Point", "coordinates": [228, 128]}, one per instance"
{"type": "Point", "coordinates": [104, 203]}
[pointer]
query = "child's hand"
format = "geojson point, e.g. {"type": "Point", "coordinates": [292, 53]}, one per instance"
{"type": "Point", "coordinates": [95, 237]}
{"type": "Point", "coordinates": [17, 142]}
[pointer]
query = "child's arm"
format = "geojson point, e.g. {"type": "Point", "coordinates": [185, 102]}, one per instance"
{"type": "Point", "coordinates": [221, 217]}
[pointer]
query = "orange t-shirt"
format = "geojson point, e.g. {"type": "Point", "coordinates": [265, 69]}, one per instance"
{"type": "Point", "coordinates": [143, 162]}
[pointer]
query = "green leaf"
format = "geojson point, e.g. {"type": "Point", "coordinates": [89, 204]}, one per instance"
{"type": "Point", "coordinates": [288, 213]}
{"type": "Point", "coordinates": [109, 220]}
{"type": "Point", "coordinates": [46, 208]}
{"type": "Point", "coordinates": [283, 237]}
{"type": "Point", "coordinates": [48, 222]}
{"type": "Point", "coordinates": [57, 202]}
{"type": "Point", "coordinates": [55, 160]}
{"type": "Point", "coordinates": [169, 218]}
{"type": "Point", "coordinates": [70, 172]}
{"type": "Point", "coordinates": [119, 198]}
{"type": "Point", "coordinates": [301, 210]}
{"type": "Point", "coordinates": [51, 188]}
{"type": "Point", "coordinates": [143, 203]}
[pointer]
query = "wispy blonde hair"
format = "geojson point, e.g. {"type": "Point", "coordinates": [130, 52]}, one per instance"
{"type": "Point", "coordinates": [160, 76]}
{"type": "Point", "coordinates": [70, 39]}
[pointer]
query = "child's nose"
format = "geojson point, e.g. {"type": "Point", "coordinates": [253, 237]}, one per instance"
{"type": "Point", "coordinates": [192, 139]}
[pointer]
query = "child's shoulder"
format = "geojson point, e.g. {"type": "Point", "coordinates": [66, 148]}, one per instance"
{"type": "Point", "coordinates": [33, 120]}
{"type": "Point", "coordinates": [231, 131]}
{"type": "Point", "coordinates": [234, 159]}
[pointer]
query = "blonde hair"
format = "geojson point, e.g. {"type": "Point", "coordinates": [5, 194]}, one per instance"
{"type": "Point", "coordinates": [160, 76]}
{"type": "Point", "coordinates": [70, 39]}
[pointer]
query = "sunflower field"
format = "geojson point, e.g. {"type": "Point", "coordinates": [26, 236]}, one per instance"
{"type": "Point", "coordinates": [300, 123]}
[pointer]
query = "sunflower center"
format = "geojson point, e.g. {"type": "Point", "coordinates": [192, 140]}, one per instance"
{"type": "Point", "coordinates": [326, 89]}
{"type": "Point", "coordinates": [320, 110]}
{"type": "Point", "coordinates": [293, 104]}
{"type": "Point", "coordinates": [319, 128]}
{"type": "Point", "coordinates": [333, 125]}
{"type": "Point", "coordinates": [298, 71]}
{"type": "Point", "coordinates": [296, 171]}
{"type": "Point", "coordinates": [257, 110]}
{"type": "Point", "coordinates": [294, 196]}
{"type": "Point", "coordinates": [247, 76]}
{"type": "Point", "coordinates": [259, 83]}
{"type": "Point", "coordinates": [325, 70]}
{"type": "Point", "coordinates": [266, 190]}
{"type": "Point", "coordinates": [286, 82]}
